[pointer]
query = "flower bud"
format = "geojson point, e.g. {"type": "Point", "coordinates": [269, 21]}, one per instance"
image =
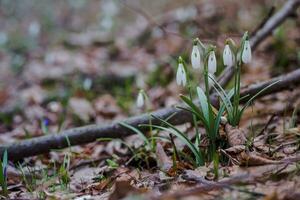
{"type": "Point", "coordinates": [140, 101]}
{"type": "Point", "coordinates": [196, 57]}
{"type": "Point", "coordinates": [246, 54]}
{"type": "Point", "coordinates": [228, 56]}
{"type": "Point", "coordinates": [212, 62]}
{"type": "Point", "coordinates": [181, 74]}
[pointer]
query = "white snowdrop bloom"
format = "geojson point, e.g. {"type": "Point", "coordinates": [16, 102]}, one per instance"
{"type": "Point", "coordinates": [34, 29]}
{"type": "Point", "coordinates": [212, 63]}
{"type": "Point", "coordinates": [181, 75]}
{"type": "Point", "coordinates": [140, 100]}
{"type": "Point", "coordinates": [228, 56]}
{"type": "Point", "coordinates": [196, 57]}
{"type": "Point", "coordinates": [246, 55]}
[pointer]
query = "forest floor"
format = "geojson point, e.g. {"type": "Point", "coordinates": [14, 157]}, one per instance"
{"type": "Point", "coordinates": [93, 77]}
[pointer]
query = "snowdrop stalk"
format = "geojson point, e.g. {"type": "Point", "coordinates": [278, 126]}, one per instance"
{"type": "Point", "coordinates": [142, 101]}
{"type": "Point", "coordinates": [209, 68]}
{"type": "Point", "coordinates": [245, 57]}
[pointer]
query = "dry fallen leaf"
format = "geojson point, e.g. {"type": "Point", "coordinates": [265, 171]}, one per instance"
{"type": "Point", "coordinates": [81, 108]}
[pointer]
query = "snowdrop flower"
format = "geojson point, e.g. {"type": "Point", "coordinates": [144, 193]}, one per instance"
{"type": "Point", "coordinates": [140, 101]}
{"type": "Point", "coordinates": [228, 56]}
{"type": "Point", "coordinates": [181, 75]}
{"type": "Point", "coordinates": [196, 57]}
{"type": "Point", "coordinates": [246, 54]}
{"type": "Point", "coordinates": [212, 62]}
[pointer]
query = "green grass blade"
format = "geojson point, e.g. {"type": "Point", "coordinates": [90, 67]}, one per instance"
{"type": "Point", "coordinates": [197, 114]}
{"type": "Point", "coordinates": [137, 131]}
{"type": "Point", "coordinates": [225, 98]}
{"type": "Point", "coordinates": [5, 162]}
{"type": "Point", "coordinates": [184, 139]}
{"type": "Point", "coordinates": [252, 98]}
{"type": "Point", "coordinates": [191, 104]}
{"type": "Point", "coordinates": [294, 118]}
{"type": "Point", "coordinates": [218, 119]}
{"type": "Point", "coordinates": [3, 177]}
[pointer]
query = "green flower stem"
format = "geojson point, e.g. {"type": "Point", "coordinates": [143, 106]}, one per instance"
{"type": "Point", "coordinates": [148, 109]}
{"type": "Point", "coordinates": [211, 135]}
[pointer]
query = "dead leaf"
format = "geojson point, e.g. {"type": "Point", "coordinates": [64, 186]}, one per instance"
{"type": "Point", "coordinates": [163, 161]}
{"type": "Point", "coordinates": [235, 136]}
{"type": "Point", "coordinates": [81, 108]}
{"type": "Point", "coordinates": [123, 189]}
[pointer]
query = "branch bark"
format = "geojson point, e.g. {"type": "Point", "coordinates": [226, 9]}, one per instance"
{"type": "Point", "coordinates": [266, 29]}
{"type": "Point", "coordinates": [287, 10]}
{"type": "Point", "coordinates": [86, 134]}
{"type": "Point", "coordinates": [90, 133]}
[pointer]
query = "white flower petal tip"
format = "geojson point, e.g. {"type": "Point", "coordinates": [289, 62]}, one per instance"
{"type": "Point", "coordinates": [140, 101]}
{"type": "Point", "coordinates": [228, 58]}
{"type": "Point", "coordinates": [181, 75]}
{"type": "Point", "coordinates": [196, 57]}
{"type": "Point", "coordinates": [247, 55]}
{"type": "Point", "coordinates": [212, 63]}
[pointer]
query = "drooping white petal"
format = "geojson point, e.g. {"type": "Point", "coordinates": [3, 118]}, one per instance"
{"type": "Point", "coordinates": [246, 55]}
{"type": "Point", "coordinates": [183, 80]}
{"type": "Point", "coordinates": [140, 100]}
{"type": "Point", "coordinates": [196, 57]}
{"type": "Point", "coordinates": [212, 63]}
{"type": "Point", "coordinates": [181, 75]}
{"type": "Point", "coordinates": [227, 56]}
{"type": "Point", "coordinates": [178, 75]}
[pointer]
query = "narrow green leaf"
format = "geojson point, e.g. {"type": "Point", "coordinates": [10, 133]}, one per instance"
{"type": "Point", "coordinates": [197, 114]}
{"type": "Point", "coordinates": [137, 131]}
{"type": "Point", "coordinates": [252, 98]}
{"type": "Point", "coordinates": [184, 139]}
{"type": "Point", "coordinates": [191, 104]}
{"type": "Point", "coordinates": [203, 104]}
{"type": "Point", "coordinates": [5, 159]}
{"type": "Point", "coordinates": [226, 99]}
{"type": "Point", "coordinates": [218, 119]}
{"type": "Point", "coordinates": [2, 179]}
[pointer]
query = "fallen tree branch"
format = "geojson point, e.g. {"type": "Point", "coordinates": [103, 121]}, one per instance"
{"type": "Point", "coordinates": [205, 186]}
{"type": "Point", "coordinates": [266, 28]}
{"type": "Point", "coordinates": [250, 177]}
{"type": "Point", "coordinates": [90, 133]}
{"type": "Point", "coordinates": [287, 10]}
{"type": "Point", "coordinates": [86, 134]}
